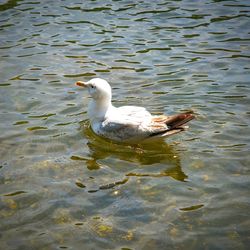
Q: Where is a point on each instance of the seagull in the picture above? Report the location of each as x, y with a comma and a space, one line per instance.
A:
128, 124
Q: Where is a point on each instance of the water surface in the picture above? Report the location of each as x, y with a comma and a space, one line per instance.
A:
63, 187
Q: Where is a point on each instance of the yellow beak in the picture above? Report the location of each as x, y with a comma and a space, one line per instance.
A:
81, 84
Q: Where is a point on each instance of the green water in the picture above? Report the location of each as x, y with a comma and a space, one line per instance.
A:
61, 187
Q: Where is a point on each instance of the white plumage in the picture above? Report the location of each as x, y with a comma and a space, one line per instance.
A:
127, 123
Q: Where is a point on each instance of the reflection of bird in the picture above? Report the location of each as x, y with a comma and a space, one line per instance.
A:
163, 158
128, 123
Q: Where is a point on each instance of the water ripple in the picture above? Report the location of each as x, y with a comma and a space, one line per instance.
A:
64, 187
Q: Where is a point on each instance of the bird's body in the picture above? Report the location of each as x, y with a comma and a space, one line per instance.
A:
130, 124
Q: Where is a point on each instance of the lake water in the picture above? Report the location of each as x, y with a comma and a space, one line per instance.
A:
62, 187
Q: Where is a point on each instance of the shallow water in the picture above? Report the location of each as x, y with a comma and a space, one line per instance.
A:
63, 187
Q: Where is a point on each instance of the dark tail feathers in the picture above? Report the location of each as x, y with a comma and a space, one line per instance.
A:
178, 120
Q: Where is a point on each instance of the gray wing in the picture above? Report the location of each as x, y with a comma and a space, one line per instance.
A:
121, 130
129, 129
130, 124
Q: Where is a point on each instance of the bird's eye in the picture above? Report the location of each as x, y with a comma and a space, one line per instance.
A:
92, 86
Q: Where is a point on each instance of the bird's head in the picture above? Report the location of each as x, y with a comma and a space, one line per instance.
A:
98, 88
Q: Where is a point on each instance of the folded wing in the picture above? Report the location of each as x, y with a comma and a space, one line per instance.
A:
128, 129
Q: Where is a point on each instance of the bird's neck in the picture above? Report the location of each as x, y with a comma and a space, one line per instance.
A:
98, 109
